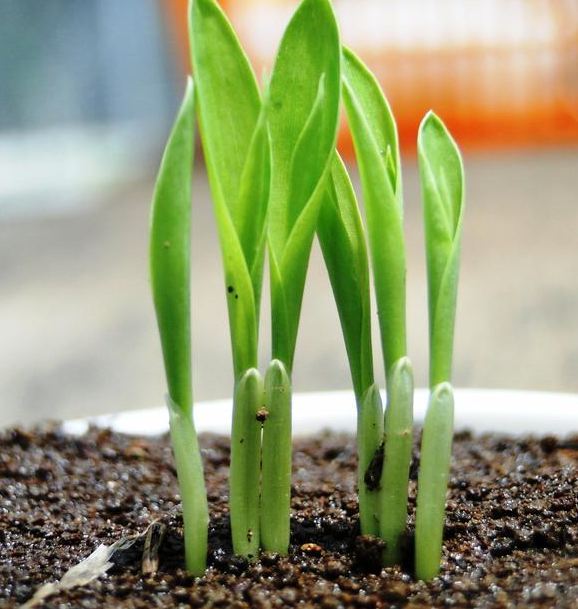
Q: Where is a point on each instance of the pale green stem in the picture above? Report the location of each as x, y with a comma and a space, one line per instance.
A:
369, 438
192, 487
245, 472
397, 459
436, 448
276, 463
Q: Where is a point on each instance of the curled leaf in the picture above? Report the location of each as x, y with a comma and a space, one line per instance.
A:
236, 147
303, 114
376, 147
442, 184
342, 239
170, 251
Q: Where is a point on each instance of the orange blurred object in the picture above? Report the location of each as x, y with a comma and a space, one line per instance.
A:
501, 73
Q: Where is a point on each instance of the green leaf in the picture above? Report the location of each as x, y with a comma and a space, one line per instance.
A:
303, 113
342, 239
251, 210
240, 294
376, 147
227, 92
308, 156
442, 183
170, 229
236, 147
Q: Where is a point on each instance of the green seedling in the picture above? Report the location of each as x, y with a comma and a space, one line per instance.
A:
302, 117
236, 148
170, 282
377, 151
276, 179
342, 239
265, 159
443, 191
385, 448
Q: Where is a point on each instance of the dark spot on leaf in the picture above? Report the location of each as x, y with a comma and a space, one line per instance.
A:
373, 473
230, 289
262, 415
236, 296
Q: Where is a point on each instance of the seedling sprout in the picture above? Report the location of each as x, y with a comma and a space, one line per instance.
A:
170, 284
276, 180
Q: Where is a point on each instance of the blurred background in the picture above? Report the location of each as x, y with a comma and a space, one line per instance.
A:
88, 91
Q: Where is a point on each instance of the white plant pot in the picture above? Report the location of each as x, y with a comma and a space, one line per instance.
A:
480, 410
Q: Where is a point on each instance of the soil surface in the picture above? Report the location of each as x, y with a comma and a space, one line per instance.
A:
511, 538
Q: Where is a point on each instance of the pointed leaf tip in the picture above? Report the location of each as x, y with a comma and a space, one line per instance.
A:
443, 188
432, 124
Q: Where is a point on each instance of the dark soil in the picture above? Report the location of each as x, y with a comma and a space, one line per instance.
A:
511, 538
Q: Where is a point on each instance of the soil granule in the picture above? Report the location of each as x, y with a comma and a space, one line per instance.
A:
511, 538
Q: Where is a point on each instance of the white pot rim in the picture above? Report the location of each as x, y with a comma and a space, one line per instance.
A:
479, 410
